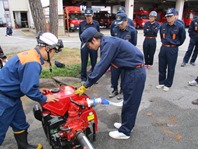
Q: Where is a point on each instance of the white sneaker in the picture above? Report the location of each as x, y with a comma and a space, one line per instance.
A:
159, 86
193, 83
166, 89
117, 125
118, 135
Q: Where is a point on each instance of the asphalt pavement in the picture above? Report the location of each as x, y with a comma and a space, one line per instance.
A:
166, 120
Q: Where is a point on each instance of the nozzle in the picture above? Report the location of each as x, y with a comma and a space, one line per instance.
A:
95, 101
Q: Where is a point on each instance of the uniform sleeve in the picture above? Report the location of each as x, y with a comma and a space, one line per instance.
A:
111, 28
80, 29
182, 35
98, 27
30, 82
134, 35
191, 28
107, 54
155, 29
145, 29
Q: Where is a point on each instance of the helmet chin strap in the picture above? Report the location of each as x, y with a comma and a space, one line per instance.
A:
48, 60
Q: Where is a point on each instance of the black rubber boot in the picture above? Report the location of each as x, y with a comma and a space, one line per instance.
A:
22, 142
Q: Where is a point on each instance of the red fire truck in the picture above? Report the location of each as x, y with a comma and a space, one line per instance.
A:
103, 17
140, 17
73, 17
188, 16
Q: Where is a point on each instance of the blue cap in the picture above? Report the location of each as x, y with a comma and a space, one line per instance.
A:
120, 18
88, 12
87, 35
121, 9
176, 12
170, 12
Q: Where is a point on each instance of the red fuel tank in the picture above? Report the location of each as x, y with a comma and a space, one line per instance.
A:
65, 94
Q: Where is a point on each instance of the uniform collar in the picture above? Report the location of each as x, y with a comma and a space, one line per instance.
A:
126, 29
41, 58
89, 23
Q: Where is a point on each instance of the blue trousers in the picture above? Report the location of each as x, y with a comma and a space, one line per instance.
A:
115, 74
167, 61
149, 48
85, 52
11, 114
133, 82
193, 45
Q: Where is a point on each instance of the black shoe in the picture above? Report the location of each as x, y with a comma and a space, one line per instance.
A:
120, 96
195, 102
192, 63
183, 64
114, 93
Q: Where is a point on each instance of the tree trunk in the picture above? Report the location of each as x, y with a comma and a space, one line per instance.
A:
38, 15
54, 17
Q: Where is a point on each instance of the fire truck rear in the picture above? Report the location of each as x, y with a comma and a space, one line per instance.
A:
73, 17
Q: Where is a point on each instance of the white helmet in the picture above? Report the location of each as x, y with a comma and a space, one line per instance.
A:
49, 39
153, 13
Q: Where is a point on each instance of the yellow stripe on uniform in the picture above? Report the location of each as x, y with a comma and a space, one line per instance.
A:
19, 132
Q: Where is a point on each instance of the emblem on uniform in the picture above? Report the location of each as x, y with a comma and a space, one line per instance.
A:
169, 11
118, 18
88, 11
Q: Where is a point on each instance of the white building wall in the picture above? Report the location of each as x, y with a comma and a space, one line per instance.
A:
2, 12
18, 5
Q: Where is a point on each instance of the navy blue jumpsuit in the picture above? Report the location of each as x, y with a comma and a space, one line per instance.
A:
149, 44
172, 36
129, 34
19, 77
130, 23
193, 45
85, 51
129, 59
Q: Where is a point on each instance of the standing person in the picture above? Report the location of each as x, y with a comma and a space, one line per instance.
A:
124, 31
193, 45
120, 9
128, 58
149, 45
19, 77
172, 35
9, 29
85, 51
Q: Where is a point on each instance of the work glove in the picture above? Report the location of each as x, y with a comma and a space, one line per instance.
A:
81, 90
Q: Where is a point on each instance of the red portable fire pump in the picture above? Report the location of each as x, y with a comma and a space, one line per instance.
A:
70, 122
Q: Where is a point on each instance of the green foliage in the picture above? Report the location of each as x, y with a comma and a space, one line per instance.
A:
67, 71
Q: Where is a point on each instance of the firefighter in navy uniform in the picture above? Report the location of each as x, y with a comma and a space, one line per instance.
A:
128, 58
120, 9
129, 33
19, 77
193, 45
151, 29
85, 51
172, 35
